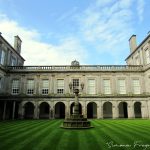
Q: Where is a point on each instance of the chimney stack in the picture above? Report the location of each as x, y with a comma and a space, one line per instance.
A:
132, 43
17, 44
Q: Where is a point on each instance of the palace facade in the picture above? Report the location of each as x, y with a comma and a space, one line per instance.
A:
106, 91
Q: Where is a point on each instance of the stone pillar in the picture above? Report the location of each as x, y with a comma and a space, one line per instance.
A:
14, 106
113, 84
49, 113
99, 110
144, 110
36, 111
37, 85
67, 84
131, 110
4, 112
23, 83
53, 112
148, 109
115, 111
22, 112
67, 109
84, 109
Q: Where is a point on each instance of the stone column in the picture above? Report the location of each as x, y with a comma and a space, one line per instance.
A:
144, 110
113, 84
4, 112
130, 110
115, 111
22, 112
23, 83
84, 109
67, 109
49, 111
148, 109
37, 85
14, 106
53, 90
99, 110
36, 111
53, 112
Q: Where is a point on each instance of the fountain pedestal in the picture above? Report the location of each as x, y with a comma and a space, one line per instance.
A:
76, 120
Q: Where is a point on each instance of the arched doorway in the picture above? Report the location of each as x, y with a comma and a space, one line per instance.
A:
60, 110
123, 110
29, 110
44, 110
72, 108
92, 110
107, 110
137, 110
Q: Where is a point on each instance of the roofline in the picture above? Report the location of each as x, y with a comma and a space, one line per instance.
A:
11, 46
137, 46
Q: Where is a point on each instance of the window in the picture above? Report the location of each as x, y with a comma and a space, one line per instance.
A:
75, 84
15, 86
91, 86
136, 86
121, 86
107, 89
2, 57
147, 56
30, 86
13, 61
60, 86
45, 86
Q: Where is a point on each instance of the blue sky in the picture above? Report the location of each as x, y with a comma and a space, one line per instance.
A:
55, 32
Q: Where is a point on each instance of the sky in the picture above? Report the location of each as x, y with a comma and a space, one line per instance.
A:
56, 32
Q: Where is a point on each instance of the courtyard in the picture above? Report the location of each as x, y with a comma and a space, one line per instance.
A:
47, 135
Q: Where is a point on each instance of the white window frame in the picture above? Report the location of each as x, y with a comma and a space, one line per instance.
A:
136, 86
107, 86
30, 86
15, 86
60, 86
91, 86
122, 86
45, 86
75, 83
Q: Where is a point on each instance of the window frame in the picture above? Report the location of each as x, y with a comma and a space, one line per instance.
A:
134, 87
60, 87
107, 88
120, 87
45, 90
91, 87
30, 91
15, 87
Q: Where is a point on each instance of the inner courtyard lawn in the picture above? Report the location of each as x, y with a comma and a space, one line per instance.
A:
47, 135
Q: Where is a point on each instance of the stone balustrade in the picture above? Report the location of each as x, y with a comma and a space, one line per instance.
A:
77, 68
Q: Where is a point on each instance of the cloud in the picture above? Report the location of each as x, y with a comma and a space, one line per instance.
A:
140, 9
107, 24
39, 53
103, 27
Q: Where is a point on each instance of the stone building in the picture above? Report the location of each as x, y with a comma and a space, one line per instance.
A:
106, 91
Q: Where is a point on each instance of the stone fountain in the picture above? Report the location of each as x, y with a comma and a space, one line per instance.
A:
76, 120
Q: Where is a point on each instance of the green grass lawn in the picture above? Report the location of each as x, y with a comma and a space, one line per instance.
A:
47, 135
